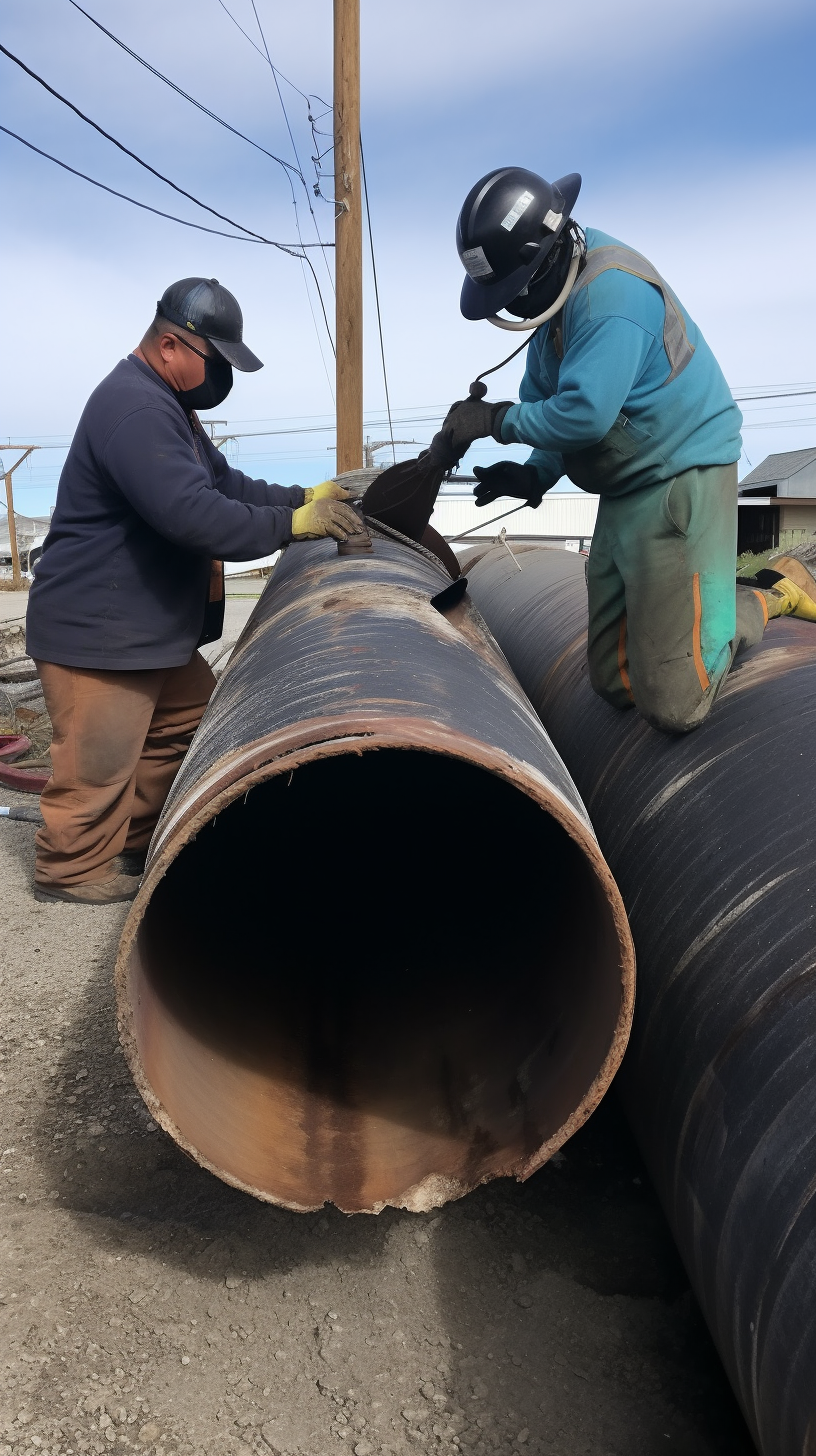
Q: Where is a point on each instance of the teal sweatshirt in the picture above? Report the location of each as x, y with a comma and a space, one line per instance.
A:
613, 372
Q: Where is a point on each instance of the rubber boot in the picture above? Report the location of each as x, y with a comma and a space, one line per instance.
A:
795, 570
787, 599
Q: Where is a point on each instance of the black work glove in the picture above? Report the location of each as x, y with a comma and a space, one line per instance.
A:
471, 419
507, 477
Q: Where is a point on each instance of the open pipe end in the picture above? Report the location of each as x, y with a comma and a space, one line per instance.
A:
379, 978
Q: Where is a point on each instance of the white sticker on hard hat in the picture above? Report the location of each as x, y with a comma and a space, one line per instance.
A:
476, 263
552, 219
519, 207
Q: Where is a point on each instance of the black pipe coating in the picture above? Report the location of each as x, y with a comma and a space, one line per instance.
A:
709, 837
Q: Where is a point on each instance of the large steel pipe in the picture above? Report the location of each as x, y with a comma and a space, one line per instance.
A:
709, 838
377, 957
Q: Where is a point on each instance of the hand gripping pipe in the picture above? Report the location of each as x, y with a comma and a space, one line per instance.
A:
377, 957
709, 838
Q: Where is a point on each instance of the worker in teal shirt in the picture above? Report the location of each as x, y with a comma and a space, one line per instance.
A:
623, 395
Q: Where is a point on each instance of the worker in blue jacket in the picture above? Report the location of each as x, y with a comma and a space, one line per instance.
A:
623, 395
130, 584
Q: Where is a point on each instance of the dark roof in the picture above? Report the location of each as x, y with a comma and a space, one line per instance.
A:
779, 467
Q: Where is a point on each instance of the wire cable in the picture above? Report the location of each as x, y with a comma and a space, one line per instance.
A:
122, 148
308, 98
218, 232
264, 54
377, 299
779, 394
246, 33
287, 166
257, 48
294, 204
274, 71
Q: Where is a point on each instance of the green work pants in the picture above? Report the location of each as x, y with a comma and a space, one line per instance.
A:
666, 617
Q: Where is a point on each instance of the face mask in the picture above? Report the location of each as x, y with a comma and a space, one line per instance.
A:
214, 389
544, 288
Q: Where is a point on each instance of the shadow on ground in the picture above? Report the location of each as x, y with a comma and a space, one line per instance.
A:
575, 1326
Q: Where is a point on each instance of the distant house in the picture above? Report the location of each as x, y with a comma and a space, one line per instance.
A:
789, 478
31, 532
791, 473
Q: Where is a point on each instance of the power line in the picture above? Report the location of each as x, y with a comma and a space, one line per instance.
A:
806, 384
264, 54
780, 424
404, 415
287, 166
308, 98
218, 232
246, 33
779, 394
122, 148
294, 204
274, 71
377, 299
266, 57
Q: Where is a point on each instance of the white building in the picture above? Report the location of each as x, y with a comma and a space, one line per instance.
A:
562, 516
31, 532
779, 500
793, 473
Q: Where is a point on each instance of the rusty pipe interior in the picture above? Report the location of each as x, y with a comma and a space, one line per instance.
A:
380, 977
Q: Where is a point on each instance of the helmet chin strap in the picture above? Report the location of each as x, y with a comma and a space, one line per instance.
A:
517, 325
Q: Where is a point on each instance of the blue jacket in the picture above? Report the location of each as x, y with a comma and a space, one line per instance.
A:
612, 374
145, 501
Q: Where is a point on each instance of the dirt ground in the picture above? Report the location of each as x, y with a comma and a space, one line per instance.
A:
145, 1306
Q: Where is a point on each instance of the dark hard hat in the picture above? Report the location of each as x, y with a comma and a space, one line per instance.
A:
509, 223
203, 306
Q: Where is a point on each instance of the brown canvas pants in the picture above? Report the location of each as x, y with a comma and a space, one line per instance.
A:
119, 739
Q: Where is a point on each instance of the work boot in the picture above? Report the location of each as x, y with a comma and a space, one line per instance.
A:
795, 570
787, 599
97, 892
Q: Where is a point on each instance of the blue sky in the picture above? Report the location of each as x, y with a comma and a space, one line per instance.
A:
693, 127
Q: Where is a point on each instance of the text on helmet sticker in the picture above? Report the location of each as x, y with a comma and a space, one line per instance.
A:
476, 263
552, 220
519, 206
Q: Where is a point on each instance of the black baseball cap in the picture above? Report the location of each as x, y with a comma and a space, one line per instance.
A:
203, 306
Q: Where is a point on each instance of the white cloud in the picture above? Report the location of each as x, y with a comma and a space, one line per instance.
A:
411, 53
729, 232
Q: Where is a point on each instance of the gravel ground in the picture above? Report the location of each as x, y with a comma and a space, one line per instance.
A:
146, 1306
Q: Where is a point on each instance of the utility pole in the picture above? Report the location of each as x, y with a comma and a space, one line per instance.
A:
16, 574
371, 445
348, 234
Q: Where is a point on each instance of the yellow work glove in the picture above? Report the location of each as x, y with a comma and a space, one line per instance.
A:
326, 490
324, 518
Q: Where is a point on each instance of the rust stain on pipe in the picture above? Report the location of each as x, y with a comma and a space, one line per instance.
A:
377, 957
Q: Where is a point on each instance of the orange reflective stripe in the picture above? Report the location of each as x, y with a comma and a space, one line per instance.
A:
695, 636
764, 602
623, 661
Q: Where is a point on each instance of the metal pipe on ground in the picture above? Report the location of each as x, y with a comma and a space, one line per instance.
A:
708, 838
377, 957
